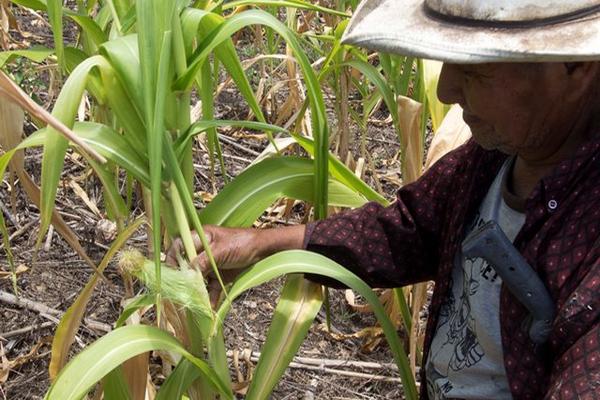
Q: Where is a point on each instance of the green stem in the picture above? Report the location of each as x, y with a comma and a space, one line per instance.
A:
182, 222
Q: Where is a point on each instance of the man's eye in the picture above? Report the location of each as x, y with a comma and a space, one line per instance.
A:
474, 75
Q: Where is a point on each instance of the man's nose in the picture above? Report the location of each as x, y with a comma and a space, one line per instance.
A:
450, 84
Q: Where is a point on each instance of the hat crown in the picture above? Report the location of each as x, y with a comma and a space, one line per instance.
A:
509, 10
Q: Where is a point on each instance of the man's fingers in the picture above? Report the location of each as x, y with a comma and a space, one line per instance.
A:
198, 243
172, 252
214, 292
177, 246
202, 264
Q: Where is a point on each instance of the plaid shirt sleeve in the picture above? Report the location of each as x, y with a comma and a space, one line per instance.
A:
396, 245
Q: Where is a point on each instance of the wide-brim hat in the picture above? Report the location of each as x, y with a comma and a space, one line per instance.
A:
478, 31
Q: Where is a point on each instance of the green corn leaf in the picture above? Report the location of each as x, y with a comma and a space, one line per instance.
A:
123, 55
245, 198
104, 355
314, 93
154, 43
381, 84
199, 21
202, 126
404, 308
35, 54
105, 141
56, 145
341, 172
298, 306
90, 28
179, 381
55, 14
115, 386
119, 10
206, 92
338, 170
299, 261
139, 302
430, 75
113, 147
37, 5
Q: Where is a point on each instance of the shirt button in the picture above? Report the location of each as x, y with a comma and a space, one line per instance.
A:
553, 204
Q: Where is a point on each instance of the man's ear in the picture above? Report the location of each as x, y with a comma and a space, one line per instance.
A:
581, 77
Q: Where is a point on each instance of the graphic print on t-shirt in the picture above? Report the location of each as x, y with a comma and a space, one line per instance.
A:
466, 357
461, 340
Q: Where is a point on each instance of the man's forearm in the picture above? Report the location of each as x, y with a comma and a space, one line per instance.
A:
280, 239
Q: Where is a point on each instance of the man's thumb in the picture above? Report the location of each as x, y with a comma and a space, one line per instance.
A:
202, 263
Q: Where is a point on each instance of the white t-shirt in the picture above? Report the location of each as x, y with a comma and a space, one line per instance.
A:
466, 357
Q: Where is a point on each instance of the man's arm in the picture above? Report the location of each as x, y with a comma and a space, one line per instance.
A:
396, 245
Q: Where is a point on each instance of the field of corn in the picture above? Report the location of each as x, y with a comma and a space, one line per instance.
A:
129, 123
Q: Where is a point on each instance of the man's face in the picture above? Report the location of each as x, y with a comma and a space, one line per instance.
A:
510, 107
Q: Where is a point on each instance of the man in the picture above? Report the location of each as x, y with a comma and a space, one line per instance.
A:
526, 76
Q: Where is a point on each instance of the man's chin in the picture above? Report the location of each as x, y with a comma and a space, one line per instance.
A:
493, 145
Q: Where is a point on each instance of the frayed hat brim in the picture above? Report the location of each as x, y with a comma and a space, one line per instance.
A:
406, 27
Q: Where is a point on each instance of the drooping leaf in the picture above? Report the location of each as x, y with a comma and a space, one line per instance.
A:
299, 261
242, 201
298, 305
107, 353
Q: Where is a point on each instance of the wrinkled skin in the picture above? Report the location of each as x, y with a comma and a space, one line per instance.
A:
539, 112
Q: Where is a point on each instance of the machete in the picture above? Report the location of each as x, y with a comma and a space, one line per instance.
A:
491, 244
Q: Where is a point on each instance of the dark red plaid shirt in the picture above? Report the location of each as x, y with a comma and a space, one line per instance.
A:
415, 239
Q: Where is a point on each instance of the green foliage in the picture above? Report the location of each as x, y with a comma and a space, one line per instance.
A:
141, 62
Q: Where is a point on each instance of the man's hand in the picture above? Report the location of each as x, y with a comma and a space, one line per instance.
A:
235, 249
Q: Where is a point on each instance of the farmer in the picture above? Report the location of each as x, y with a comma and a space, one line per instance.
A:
527, 77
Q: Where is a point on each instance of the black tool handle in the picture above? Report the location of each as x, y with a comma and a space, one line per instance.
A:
490, 243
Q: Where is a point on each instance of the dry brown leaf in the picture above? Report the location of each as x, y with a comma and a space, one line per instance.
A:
419, 297
106, 230
371, 336
241, 386
410, 129
135, 370
6, 365
453, 132
21, 268
351, 299
78, 190
205, 196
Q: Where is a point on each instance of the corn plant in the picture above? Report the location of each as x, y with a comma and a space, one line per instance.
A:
407, 87
141, 61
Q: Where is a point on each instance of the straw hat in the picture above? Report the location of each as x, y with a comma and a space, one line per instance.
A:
477, 31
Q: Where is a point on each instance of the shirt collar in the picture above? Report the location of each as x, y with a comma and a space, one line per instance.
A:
554, 187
